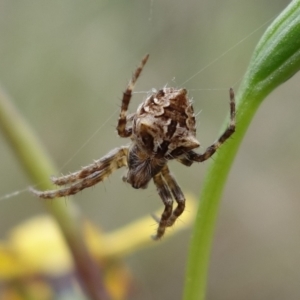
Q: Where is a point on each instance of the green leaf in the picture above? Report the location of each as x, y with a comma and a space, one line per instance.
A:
275, 59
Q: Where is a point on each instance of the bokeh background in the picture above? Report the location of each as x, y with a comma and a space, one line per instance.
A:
65, 65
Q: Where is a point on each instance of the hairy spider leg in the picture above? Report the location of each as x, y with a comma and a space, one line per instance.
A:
193, 156
116, 160
166, 197
166, 184
124, 131
105, 162
177, 194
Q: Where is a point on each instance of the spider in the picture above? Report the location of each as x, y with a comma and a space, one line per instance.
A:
162, 129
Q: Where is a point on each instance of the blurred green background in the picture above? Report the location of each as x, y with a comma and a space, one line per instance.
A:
65, 64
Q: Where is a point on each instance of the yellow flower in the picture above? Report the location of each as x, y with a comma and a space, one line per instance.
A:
37, 247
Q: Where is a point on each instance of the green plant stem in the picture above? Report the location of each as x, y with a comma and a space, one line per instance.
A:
38, 166
213, 185
275, 59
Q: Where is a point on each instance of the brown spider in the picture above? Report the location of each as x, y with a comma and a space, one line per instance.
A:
162, 129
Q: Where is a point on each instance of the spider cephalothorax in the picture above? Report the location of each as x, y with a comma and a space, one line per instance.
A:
162, 129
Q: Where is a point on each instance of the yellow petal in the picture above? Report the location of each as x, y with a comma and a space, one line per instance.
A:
40, 246
137, 234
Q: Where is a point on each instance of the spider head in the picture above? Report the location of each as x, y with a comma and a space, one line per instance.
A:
141, 167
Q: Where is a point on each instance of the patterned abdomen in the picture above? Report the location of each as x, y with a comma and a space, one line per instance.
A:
164, 125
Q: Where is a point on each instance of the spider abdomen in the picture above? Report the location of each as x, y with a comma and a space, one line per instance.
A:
164, 122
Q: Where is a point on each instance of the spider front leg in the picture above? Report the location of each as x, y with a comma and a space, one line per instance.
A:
193, 156
121, 128
177, 194
166, 197
88, 176
165, 183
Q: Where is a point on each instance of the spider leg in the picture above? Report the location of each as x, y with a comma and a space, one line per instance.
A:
108, 161
177, 193
166, 197
193, 156
121, 128
185, 161
115, 162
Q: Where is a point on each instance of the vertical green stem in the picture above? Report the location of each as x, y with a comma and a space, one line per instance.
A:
275, 59
198, 260
38, 166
